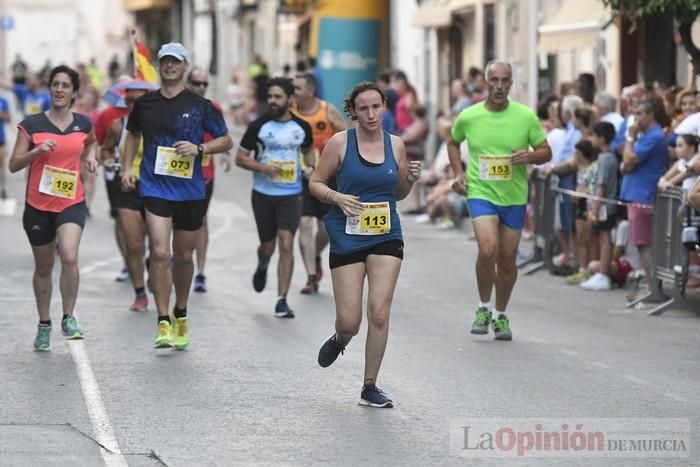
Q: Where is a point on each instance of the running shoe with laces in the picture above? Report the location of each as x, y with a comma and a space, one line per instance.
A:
576, 278
181, 337
164, 338
598, 281
123, 275
200, 283
372, 396
310, 288
42, 342
329, 351
259, 279
140, 303
501, 328
70, 328
282, 310
481, 321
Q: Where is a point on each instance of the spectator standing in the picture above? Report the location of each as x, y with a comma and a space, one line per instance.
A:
4, 117
406, 103
606, 107
644, 161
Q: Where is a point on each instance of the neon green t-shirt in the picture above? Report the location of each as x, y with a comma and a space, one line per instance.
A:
492, 137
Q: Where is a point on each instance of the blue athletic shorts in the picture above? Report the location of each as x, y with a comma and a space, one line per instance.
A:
510, 216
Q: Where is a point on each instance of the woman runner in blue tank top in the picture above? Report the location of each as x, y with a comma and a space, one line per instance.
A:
364, 228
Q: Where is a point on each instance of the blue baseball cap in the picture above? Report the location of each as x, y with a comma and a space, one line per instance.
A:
173, 49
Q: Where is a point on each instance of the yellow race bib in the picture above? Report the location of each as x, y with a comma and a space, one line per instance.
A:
168, 163
32, 108
288, 171
495, 167
375, 219
206, 160
58, 182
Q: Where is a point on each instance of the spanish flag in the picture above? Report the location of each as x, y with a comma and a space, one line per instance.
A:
142, 63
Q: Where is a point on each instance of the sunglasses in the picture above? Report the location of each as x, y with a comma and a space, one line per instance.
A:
200, 83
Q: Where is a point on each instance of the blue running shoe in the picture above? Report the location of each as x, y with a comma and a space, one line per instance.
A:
70, 328
42, 342
200, 283
329, 351
372, 396
282, 310
259, 279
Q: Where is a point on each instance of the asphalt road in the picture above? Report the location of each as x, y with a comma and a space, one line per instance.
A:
248, 390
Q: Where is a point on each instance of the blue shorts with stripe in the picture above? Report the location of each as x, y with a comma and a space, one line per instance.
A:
511, 216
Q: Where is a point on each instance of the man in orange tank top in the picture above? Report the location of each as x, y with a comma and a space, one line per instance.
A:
325, 121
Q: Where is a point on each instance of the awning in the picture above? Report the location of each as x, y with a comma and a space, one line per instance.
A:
574, 26
137, 5
438, 13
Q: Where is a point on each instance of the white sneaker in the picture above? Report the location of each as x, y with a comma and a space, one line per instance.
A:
423, 218
558, 260
597, 282
446, 224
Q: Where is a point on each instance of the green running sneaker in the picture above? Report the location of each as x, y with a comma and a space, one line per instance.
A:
180, 335
481, 322
164, 338
501, 327
70, 328
42, 342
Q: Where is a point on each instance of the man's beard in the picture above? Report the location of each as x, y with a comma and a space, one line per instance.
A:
276, 111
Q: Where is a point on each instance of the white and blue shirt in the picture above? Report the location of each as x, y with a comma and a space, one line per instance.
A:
275, 142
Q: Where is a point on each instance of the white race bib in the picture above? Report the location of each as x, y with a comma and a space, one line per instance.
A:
495, 167
58, 182
170, 164
375, 219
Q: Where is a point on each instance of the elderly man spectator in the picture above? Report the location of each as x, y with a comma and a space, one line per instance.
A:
644, 157
563, 166
606, 106
630, 96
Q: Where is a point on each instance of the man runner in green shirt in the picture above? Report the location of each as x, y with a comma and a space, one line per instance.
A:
500, 134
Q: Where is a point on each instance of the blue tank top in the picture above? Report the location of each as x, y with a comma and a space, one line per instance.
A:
373, 183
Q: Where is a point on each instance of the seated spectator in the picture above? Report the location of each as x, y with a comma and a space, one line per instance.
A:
625, 258
584, 158
443, 202
603, 215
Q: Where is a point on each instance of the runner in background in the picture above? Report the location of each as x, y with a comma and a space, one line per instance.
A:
197, 82
325, 120
4, 117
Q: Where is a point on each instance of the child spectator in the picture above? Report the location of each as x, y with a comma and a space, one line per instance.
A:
584, 157
625, 258
604, 184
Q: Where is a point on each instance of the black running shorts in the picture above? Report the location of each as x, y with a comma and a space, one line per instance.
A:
273, 213
41, 226
186, 215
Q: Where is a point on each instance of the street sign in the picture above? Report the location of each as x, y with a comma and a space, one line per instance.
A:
7, 22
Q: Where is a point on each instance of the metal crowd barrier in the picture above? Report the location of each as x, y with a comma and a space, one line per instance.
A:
670, 259
544, 234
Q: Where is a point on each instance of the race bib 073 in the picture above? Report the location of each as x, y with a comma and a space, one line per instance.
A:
170, 164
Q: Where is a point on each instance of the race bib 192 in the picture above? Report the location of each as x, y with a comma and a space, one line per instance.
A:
58, 182
170, 164
375, 219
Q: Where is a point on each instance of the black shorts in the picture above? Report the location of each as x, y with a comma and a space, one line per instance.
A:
114, 188
273, 213
129, 200
208, 191
581, 209
186, 215
313, 207
41, 226
607, 225
388, 248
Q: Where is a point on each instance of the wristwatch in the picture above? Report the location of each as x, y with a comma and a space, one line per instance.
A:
200, 150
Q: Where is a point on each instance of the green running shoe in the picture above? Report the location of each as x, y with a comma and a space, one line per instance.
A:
501, 327
70, 328
180, 335
481, 322
42, 342
164, 338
